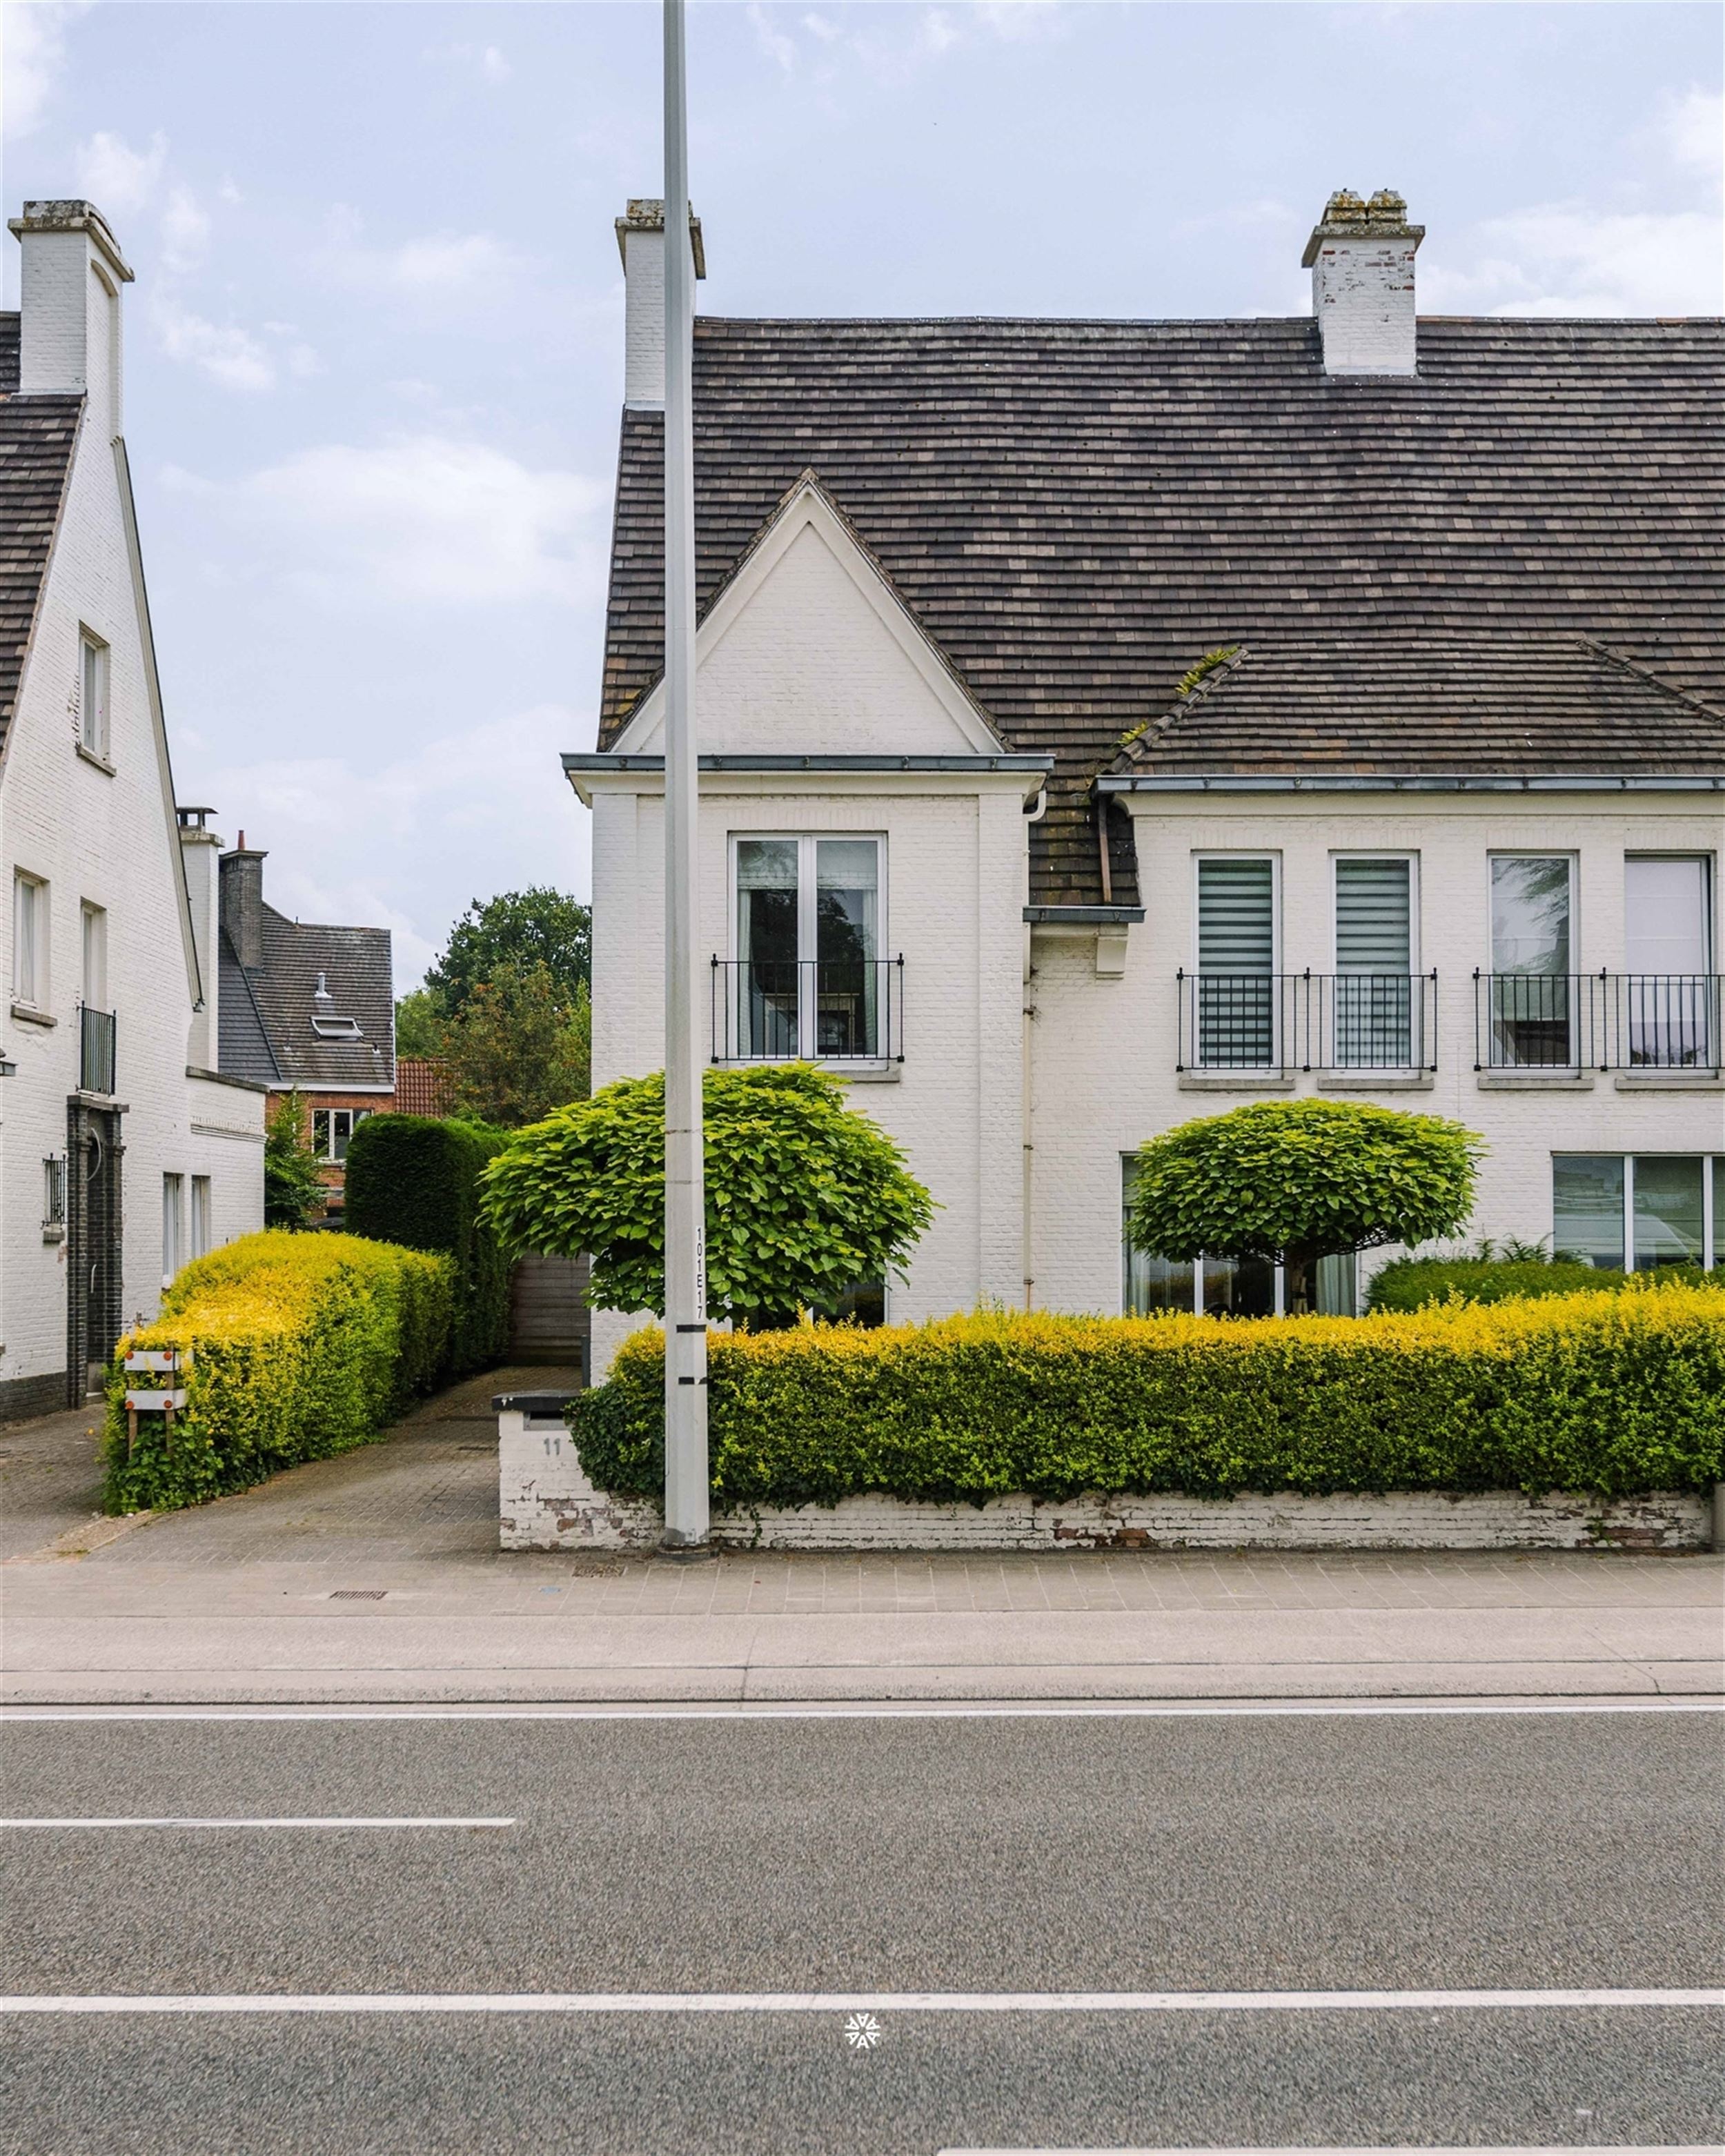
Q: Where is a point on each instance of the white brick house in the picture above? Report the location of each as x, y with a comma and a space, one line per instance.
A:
1107, 723
122, 1150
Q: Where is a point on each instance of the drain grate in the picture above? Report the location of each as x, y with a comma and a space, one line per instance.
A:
358, 1594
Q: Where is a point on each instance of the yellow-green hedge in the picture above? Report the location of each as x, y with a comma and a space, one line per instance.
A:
302, 1345
1612, 1393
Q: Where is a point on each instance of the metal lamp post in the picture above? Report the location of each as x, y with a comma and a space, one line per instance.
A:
686, 1453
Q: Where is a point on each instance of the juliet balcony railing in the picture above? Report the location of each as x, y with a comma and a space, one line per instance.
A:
95, 1050
1597, 1021
814, 1010
1285, 1022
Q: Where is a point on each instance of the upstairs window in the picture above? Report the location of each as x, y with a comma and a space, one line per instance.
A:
93, 674
1236, 962
1375, 1003
1532, 1020
331, 1129
29, 941
809, 980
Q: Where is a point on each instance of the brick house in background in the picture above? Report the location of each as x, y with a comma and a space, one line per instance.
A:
307, 1008
424, 1086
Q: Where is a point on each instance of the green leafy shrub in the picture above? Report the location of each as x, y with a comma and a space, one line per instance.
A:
1412, 1283
302, 1345
415, 1180
804, 1196
293, 1189
1293, 1181
1610, 1394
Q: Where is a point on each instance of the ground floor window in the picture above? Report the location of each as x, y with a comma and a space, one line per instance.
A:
1227, 1287
173, 1225
201, 1237
1633, 1210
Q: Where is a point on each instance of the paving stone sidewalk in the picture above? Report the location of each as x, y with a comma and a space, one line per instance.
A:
377, 1574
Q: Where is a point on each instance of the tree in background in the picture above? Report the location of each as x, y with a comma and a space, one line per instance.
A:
519, 1046
1294, 1181
518, 929
805, 1197
419, 1021
293, 1189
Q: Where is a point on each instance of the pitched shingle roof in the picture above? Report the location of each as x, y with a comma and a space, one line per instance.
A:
1078, 511
37, 438
355, 967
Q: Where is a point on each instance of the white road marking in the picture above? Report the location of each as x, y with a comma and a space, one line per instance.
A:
844, 2002
872, 1710
333, 1822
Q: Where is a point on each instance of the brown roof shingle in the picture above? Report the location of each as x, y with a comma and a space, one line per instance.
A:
1077, 511
38, 435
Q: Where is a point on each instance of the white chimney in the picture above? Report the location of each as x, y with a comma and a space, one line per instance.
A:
1361, 257
200, 854
641, 241
70, 303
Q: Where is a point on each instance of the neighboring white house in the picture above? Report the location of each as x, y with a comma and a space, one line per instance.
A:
1104, 724
122, 1152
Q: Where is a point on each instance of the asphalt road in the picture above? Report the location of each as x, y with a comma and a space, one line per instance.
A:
863, 1856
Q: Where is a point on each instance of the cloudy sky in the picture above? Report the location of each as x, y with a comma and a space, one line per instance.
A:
375, 345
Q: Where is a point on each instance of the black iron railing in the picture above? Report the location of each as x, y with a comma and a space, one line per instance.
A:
819, 1010
1307, 1021
1597, 1021
95, 1050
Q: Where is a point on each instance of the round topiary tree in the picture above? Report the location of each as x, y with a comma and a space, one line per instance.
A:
1293, 1181
805, 1198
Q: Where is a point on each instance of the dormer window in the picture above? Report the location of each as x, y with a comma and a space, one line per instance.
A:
325, 1022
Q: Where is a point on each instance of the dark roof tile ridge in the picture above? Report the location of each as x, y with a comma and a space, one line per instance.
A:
1646, 673
1007, 322
1133, 745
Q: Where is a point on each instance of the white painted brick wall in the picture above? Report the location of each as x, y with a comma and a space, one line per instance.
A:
545, 1502
1362, 295
644, 320
109, 841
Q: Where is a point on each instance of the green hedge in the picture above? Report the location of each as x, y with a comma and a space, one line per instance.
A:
1412, 1283
414, 1180
1611, 1394
302, 1345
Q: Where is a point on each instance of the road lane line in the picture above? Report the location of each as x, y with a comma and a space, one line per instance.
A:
846, 2002
868, 1710
169, 1821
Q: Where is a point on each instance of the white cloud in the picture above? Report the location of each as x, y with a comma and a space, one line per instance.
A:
118, 179
35, 44
774, 44
1562, 258
185, 232
228, 354
421, 519
486, 61
378, 845
1694, 131
440, 266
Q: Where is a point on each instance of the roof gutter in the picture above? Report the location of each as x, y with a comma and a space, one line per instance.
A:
598, 763
1083, 916
1350, 782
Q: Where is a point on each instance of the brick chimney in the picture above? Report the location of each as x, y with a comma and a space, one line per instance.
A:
1361, 257
243, 902
72, 271
641, 241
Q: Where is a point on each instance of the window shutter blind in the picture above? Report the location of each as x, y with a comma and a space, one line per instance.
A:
1373, 920
1236, 920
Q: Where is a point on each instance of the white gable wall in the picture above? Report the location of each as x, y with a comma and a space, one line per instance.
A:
108, 837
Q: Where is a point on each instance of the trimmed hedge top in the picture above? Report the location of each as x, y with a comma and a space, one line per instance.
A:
1414, 1283
1612, 1393
302, 1345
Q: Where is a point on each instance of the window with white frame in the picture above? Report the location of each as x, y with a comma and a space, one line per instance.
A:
173, 1226
202, 1235
331, 1130
1236, 944
92, 926
1377, 1006
93, 678
1532, 1015
1670, 990
1632, 1211
808, 979
1227, 1287
29, 940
